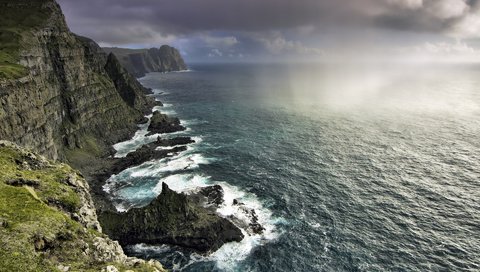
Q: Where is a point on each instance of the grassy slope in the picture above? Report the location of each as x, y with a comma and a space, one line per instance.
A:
36, 234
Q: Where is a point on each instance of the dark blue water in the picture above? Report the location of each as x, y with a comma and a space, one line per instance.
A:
352, 168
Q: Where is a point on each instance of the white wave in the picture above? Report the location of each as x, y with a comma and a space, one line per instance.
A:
228, 256
143, 248
182, 183
159, 92
231, 253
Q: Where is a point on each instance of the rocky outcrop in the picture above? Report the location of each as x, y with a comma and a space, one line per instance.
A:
174, 141
48, 221
162, 123
172, 218
141, 61
73, 96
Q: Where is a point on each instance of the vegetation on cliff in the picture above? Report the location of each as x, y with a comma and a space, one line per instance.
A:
45, 221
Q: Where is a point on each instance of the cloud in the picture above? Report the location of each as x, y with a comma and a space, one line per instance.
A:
275, 43
274, 26
442, 50
467, 27
409, 4
215, 53
447, 9
220, 41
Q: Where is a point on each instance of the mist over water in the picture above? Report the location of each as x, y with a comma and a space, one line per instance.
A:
352, 167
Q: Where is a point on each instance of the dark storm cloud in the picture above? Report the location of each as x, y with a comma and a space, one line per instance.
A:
268, 22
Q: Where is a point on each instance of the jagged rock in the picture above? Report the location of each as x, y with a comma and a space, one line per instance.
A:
172, 218
175, 141
141, 61
141, 155
106, 250
162, 123
253, 226
214, 194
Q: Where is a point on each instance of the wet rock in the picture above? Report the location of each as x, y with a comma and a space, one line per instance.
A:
214, 194
172, 218
162, 123
253, 225
175, 141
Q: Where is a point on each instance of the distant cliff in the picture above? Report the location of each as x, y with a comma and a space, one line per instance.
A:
59, 92
141, 61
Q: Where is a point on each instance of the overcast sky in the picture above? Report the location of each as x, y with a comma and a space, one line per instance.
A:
284, 29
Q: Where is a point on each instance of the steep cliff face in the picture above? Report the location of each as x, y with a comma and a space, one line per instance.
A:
141, 61
48, 222
67, 100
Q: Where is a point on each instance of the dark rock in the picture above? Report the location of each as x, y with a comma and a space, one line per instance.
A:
142, 155
162, 123
253, 226
142, 120
4, 223
175, 141
23, 182
214, 194
172, 218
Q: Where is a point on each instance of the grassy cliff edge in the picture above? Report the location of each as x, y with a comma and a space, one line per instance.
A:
48, 222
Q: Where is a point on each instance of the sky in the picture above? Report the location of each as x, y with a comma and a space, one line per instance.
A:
250, 30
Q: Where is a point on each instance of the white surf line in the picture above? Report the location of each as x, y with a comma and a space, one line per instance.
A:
230, 254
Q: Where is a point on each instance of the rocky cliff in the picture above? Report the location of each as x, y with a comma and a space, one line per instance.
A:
141, 61
48, 221
63, 97
68, 94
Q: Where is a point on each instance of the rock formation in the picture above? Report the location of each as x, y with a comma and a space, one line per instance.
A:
141, 61
162, 123
157, 223
62, 96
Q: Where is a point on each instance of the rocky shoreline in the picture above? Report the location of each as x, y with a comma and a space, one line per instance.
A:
178, 219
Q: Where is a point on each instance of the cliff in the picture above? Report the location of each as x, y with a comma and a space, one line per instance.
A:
141, 61
48, 221
60, 92
63, 97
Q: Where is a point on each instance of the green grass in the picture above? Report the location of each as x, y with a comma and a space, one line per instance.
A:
36, 232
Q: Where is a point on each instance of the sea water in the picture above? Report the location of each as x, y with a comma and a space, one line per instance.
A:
366, 167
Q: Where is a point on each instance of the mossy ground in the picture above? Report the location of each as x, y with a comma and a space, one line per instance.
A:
36, 232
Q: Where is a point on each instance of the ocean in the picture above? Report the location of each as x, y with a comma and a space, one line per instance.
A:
359, 167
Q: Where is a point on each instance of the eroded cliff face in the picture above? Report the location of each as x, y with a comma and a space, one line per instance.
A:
141, 61
69, 100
